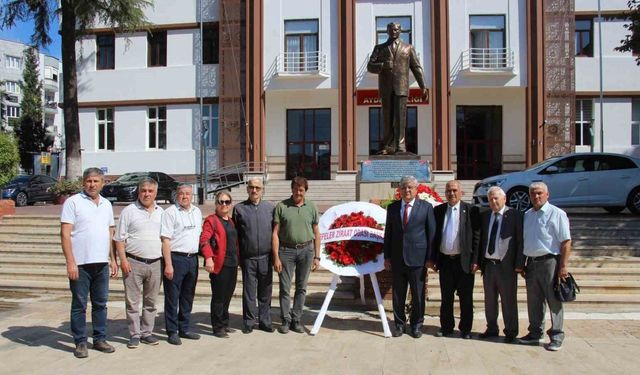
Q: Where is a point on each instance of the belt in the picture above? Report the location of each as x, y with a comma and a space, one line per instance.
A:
449, 256
297, 245
143, 260
493, 261
188, 255
540, 258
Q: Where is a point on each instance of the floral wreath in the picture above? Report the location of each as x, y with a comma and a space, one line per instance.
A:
424, 193
354, 252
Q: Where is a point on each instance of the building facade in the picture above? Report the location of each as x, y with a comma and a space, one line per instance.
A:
11, 68
511, 82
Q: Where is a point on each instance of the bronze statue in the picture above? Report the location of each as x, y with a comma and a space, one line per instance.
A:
391, 61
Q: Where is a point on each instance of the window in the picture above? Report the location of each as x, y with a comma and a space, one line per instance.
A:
584, 37
13, 111
405, 28
635, 122
584, 117
309, 143
157, 120
613, 162
376, 130
301, 45
51, 73
210, 121
488, 41
105, 47
13, 62
12, 87
106, 131
157, 41
49, 97
210, 45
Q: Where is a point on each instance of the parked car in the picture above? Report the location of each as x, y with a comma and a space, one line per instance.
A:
125, 187
607, 180
26, 190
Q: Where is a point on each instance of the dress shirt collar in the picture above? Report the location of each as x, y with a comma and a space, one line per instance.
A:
141, 207
412, 203
501, 212
456, 206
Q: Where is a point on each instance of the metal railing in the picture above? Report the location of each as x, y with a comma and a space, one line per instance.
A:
302, 62
234, 175
488, 59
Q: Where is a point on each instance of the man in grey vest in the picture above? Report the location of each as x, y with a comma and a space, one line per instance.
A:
254, 223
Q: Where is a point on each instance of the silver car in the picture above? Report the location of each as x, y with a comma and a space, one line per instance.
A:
611, 181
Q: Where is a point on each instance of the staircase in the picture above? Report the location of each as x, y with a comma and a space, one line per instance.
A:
605, 262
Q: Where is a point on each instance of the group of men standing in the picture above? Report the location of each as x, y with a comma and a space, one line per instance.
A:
456, 239
157, 246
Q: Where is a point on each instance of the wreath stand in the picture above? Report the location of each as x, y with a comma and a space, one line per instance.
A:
329, 296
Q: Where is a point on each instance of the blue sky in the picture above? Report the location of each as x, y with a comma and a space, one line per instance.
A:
22, 31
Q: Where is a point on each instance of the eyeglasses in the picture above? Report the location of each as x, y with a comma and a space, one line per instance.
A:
255, 187
224, 202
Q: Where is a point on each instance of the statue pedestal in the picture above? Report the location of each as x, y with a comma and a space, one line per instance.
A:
380, 175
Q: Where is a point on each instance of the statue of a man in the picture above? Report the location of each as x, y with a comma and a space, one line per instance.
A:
392, 60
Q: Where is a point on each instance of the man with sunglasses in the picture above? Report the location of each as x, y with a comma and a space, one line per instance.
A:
180, 229
254, 223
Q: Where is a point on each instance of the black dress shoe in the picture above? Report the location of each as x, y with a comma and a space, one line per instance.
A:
442, 333
488, 334
465, 335
296, 327
510, 340
174, 339
221, 333
230, 330
189, 335
397, 333
247, 330
284, 328
416, 333
266, 328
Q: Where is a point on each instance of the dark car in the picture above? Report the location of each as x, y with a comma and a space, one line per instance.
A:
125, 188
26, 190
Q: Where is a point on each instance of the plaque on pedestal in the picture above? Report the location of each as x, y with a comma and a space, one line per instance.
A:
391, 168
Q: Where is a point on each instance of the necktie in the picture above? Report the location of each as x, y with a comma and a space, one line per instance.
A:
493, 235
449, 230
405, 215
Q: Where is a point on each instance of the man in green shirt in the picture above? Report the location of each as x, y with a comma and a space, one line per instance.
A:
296, 250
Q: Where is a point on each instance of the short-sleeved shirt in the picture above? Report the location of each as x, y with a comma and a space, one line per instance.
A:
182, 227
140, 230
90, 236
545, 230
296, 223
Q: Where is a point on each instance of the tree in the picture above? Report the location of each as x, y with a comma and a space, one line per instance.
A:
9, 158
631, 43
30, 130
76, 16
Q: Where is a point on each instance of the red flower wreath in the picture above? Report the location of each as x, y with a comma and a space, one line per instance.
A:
424, 192
352, 252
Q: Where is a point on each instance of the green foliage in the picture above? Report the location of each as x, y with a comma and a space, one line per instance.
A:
66, 187
9, 158
631, 43
30, 130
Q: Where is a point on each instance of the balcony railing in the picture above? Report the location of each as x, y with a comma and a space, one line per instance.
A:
488, 60
302, 63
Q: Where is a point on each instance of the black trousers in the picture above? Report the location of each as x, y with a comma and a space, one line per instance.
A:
257, 279
414, 277
179, 293
222, 287
453, 279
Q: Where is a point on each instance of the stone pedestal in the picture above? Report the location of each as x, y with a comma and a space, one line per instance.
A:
379, 176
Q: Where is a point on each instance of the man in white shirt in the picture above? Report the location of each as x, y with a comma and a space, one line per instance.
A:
86, 229
180, 234
547, 245
140, 251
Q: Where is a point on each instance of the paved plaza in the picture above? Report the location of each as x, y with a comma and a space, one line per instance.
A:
35, 339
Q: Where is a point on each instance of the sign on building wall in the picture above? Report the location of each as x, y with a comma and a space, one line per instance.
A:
371, 97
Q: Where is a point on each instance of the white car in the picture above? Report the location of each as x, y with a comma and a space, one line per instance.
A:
607, 180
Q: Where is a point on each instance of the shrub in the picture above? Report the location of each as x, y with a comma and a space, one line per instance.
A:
9, 158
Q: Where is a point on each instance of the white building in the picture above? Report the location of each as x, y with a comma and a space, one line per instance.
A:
11, 68
505, 88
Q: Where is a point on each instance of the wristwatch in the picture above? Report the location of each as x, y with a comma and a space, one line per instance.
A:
318, 258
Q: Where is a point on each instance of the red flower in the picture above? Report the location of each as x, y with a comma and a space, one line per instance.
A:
346, 253
424, 192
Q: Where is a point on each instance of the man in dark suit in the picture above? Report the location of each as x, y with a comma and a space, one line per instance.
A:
392, 61
456, 258
408, 241
501, 260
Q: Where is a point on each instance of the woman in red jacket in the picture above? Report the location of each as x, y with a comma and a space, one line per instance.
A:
219, 246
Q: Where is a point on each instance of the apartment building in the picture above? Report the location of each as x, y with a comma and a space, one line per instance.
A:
510, 84
11, 68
